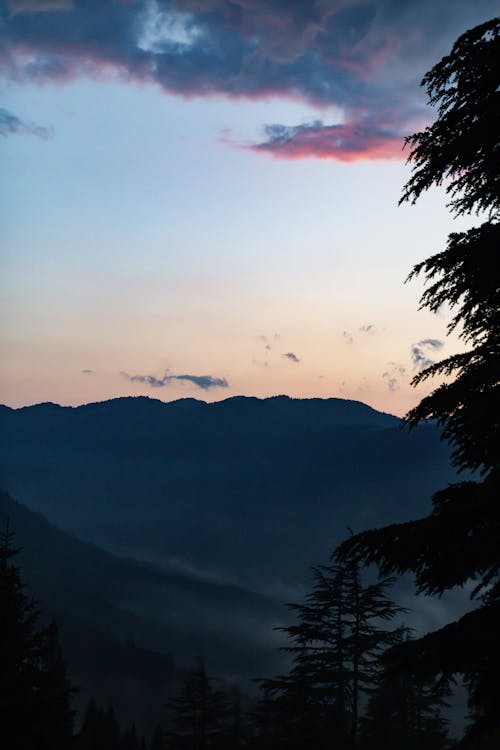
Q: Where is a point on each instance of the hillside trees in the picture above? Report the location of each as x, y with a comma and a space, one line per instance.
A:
35, 694
458, 541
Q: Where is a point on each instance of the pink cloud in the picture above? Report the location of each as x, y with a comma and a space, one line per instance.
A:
348, 142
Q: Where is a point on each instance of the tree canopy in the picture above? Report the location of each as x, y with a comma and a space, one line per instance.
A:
458, 541
460, 148
342, 628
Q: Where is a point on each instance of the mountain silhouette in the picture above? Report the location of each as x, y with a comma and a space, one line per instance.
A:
246, 491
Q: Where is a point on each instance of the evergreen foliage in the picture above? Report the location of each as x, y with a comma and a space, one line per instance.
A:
100, 731
404, 712
35, 695
458, 541
159, 739
461, 146
200, 716
336, 644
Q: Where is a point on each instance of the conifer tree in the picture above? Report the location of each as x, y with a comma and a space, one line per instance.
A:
101, 731
88, 735
403, 712
35, 695
55, 692
335, 646
130, 740
159, 739
458, 541
199, 715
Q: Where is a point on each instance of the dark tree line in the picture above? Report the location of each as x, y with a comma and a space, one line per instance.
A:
335, 691
101, 731
35, 693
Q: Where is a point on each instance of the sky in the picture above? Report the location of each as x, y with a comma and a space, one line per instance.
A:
200, 198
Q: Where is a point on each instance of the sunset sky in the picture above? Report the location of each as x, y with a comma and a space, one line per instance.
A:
199, 198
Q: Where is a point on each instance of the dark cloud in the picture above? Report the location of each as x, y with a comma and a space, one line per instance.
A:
348, 337
363, 58
421, 350
205, 382
291, 357
368, 328
87, 372
10, 124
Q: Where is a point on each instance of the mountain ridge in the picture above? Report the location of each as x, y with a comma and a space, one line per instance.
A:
189, 401
249, 490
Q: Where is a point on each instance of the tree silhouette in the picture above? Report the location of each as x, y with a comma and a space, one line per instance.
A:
55, 693
199, 715
35, 695
458, 541
403, 712
101, 731
159, 739
335, 645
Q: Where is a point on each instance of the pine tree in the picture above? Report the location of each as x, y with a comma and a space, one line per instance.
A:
130, 739
404, 712
87, 737
35, 695
55, 693
335, 646
458, 541
101, 731
159, 739
199, 715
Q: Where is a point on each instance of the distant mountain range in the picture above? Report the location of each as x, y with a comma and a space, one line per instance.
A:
246, 491
172, 531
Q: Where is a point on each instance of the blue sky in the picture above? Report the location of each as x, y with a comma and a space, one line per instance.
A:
200, 198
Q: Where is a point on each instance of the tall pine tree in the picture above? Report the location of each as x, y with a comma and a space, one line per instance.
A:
335, 646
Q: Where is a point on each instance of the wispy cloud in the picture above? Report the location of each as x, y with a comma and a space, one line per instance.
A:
291, 357
11, 124
421, 350
391, 376
260, 362
205, 382
87, 372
